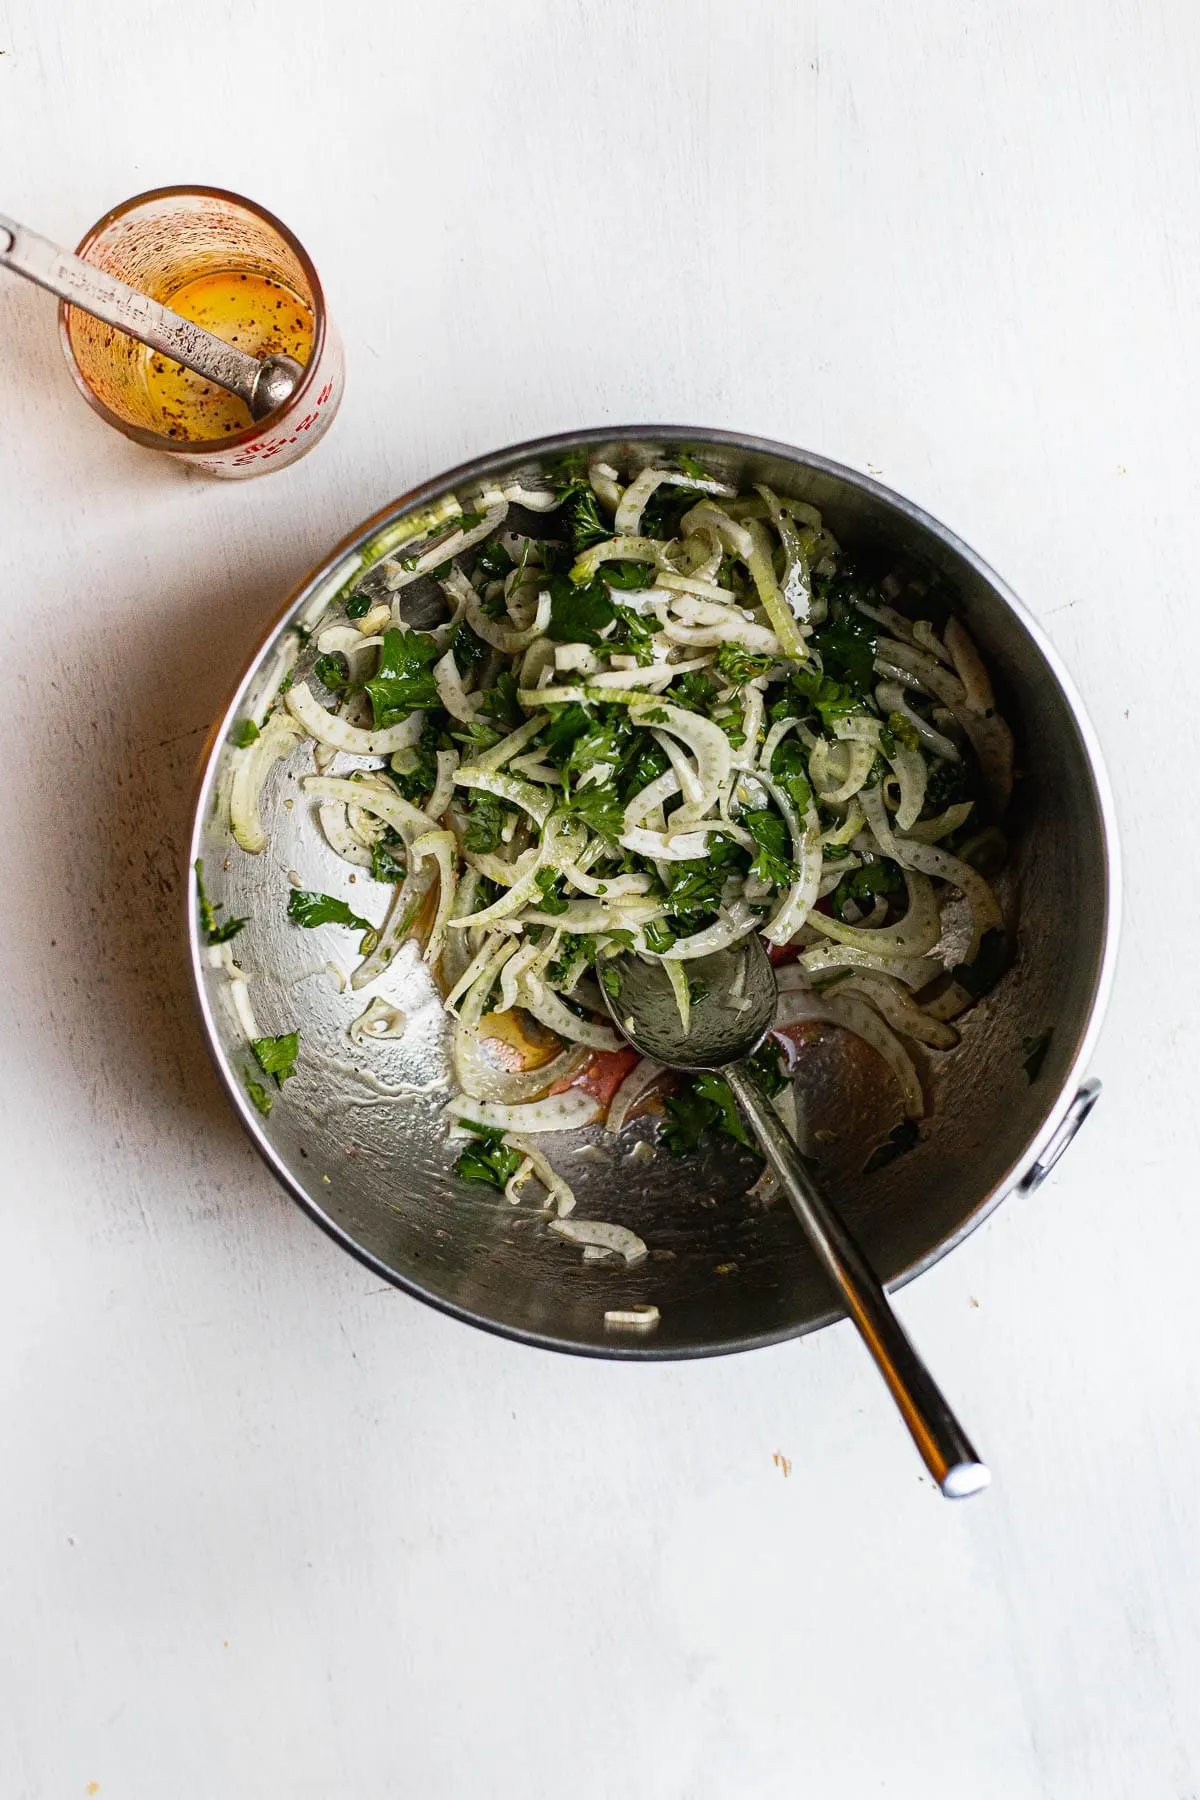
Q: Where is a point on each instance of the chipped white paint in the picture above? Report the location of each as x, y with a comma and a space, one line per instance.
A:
271, 1530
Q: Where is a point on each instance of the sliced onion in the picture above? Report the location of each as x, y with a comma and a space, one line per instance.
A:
328, 729
601, 1236
251, 767
558, 1112
912, 773
535, 801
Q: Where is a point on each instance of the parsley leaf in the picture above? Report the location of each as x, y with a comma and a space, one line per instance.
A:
773, 861
308, 908
334, 671
610, 981
600, 808
790, 769
628, 575
385, 866
500, 701
358, 605
470, 651
494, 560
258, 1093
904, 731
738, 666
728, 1119
486, 818
277, 1055
404, 680
632, 637
245, 734
578, 952
214, 932
578, 614
487, 1158
880, 877
579, 517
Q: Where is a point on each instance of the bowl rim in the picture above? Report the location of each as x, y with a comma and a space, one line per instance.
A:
499, 462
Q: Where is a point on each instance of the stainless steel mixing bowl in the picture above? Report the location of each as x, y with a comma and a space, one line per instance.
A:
357, 1136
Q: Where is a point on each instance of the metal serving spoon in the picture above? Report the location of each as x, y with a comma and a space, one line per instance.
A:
732, 1011
264, 385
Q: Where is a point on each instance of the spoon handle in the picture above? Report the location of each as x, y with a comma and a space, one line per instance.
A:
81, 284
941, 1440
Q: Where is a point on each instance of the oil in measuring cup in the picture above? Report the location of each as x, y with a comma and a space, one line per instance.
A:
259, 315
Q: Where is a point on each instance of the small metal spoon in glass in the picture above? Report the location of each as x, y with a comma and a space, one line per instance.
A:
733, 1008
264, 385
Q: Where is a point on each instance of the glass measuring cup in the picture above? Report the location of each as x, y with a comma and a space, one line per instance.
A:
233, 267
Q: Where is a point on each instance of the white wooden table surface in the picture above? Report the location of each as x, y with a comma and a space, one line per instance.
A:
270, 1529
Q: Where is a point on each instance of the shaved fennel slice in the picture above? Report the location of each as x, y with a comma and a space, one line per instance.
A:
640, 1078
600, 1235
916, 972
733, 922
251, 767
558, 1112
928, 831
447, 547
629, 509
380, 1020
797, 903
545, 1006
220, 956
970, 669
559, 1193
618, 549
887, 995
930, 860
913, 935
774, 605
854, 1014
535, 801
328, 729
442, 847
385, 803
339, 836
707, 742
